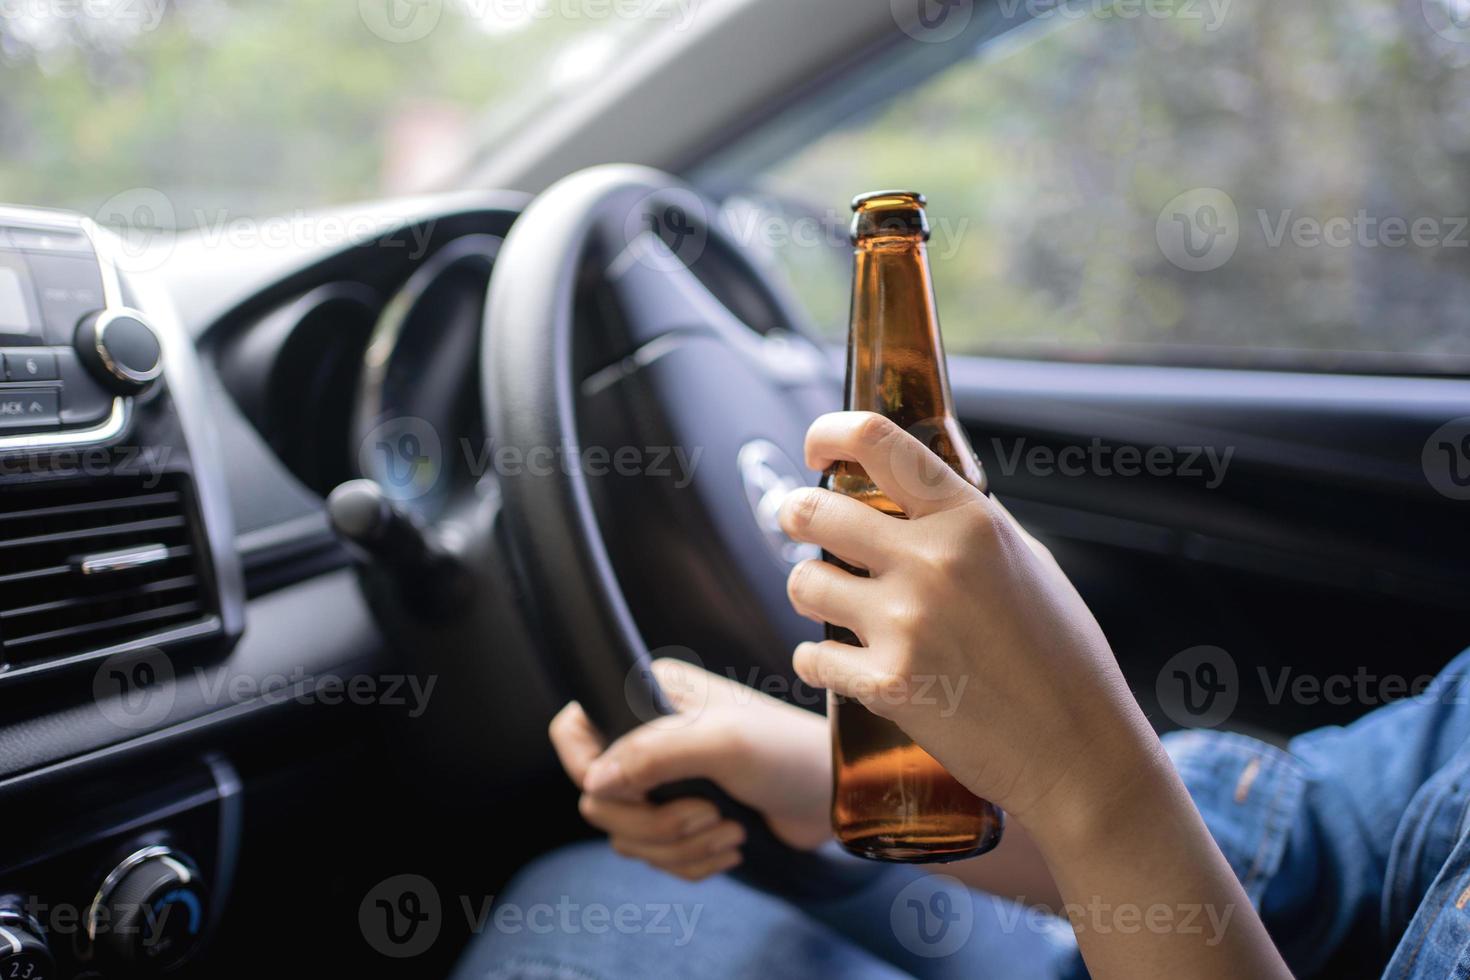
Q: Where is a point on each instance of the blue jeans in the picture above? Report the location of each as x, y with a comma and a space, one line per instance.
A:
584, 913
1353, 844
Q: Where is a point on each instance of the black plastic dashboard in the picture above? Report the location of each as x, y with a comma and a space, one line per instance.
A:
279, 363
267, 527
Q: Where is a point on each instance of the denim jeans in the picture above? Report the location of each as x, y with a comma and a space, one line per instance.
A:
1353, 844
583, 912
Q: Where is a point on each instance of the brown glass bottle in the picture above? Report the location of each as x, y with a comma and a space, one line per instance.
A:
891, 801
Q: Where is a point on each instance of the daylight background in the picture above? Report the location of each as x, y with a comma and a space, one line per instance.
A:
1048, 156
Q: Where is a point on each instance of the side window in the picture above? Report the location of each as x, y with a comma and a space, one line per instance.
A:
1221, 182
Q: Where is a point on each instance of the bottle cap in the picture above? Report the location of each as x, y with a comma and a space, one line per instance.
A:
883, 213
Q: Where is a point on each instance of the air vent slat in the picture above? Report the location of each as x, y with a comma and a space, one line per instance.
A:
169, 499
51, 534
147, 616
34, 573
106, 531
179, 551
77, 602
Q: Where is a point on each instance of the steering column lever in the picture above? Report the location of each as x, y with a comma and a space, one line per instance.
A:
384, 534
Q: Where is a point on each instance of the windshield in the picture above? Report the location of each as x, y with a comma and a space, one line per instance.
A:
217, 109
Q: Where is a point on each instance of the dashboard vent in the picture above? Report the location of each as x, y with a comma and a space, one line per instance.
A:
89, 567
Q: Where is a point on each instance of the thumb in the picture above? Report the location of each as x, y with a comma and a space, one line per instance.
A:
651, 756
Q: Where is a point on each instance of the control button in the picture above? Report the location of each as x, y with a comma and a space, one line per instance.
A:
68, 287
28, 408
26, 365
121, 350
150, 912
23, 949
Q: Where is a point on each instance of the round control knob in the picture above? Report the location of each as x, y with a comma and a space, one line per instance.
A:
23, 949
120, 349
150, 912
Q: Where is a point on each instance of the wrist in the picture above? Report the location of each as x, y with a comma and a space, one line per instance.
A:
1126, 781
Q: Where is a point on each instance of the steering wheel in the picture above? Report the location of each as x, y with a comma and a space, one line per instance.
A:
671, 367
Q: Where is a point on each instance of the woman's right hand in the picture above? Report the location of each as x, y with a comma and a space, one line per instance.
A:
772, 756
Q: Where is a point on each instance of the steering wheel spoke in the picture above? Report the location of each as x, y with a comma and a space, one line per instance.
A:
659, 294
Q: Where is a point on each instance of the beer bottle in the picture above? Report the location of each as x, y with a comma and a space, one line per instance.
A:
891, 800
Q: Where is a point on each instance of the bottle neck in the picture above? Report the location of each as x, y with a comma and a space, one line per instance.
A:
895, 357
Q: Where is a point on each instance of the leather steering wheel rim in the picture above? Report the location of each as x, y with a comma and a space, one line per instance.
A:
530, 400
530, 403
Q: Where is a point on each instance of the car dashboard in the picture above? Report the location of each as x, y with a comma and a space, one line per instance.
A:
178, 617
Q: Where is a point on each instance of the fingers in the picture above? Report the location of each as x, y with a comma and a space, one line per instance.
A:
691, 688
694, 871
576, 742
828, 594
841, 525
650, 823
707, 848
852, 672
652, 756
910, 475
686, 837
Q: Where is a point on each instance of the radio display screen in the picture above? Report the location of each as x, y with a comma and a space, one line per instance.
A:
17, 308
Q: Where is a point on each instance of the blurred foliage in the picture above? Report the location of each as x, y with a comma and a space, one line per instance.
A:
245, 107
1049, 155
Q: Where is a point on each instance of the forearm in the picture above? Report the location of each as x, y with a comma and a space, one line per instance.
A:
1015, 870
1142, 881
